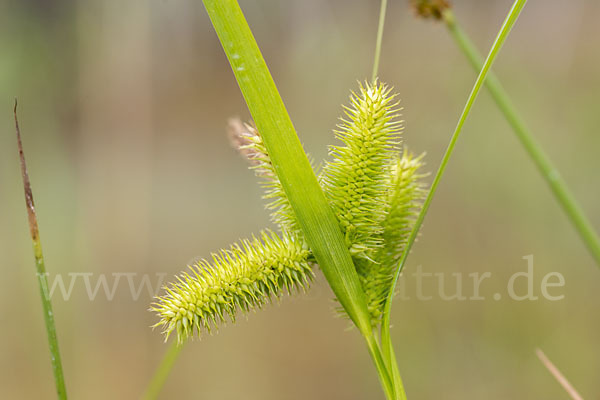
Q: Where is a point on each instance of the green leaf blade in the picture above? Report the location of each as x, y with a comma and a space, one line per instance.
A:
291, 164
507, 26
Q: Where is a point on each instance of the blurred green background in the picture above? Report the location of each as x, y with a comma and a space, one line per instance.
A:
123, 106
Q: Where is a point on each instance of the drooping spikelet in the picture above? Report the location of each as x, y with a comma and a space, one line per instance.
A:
245, 277
356, 180
403, 204
246, 139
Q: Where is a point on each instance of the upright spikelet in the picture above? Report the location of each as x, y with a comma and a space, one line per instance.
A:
244, 277
402, 207
374, 191
404, 204
355, 181
246, 139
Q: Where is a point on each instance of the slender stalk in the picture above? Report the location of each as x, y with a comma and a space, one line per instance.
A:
550, 174
40, 266
390, 356
500, 38
390, 359
377, 56
382, 369
560, 378
162, 372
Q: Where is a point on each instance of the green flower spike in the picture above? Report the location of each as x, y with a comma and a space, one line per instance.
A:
374, 190
403, 205
356, 181
405, 200
245, 277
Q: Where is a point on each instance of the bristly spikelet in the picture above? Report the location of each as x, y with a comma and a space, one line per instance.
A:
355, 181
403, 204
246, 139
245, 277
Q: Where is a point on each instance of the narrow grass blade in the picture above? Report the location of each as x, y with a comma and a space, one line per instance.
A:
315, 217
57, 369
560, 378
550, 174
500, 38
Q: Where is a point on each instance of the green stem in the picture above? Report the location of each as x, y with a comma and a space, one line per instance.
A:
500, 38
550, 174
382, 369
377, 56
162, 372
389, 358
59, 380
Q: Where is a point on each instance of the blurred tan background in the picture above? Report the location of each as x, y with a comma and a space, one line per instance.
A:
123, 106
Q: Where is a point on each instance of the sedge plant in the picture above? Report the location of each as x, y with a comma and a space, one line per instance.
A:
356, 220
374, 187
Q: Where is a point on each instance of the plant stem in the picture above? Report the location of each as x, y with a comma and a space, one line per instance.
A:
500, 38
390, 356
377, 56
57, 369
550, 174
382, 369
162, 372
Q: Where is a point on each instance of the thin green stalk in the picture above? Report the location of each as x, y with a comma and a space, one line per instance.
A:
382, 370
389, 355
502, 35
390, 359
316, 219
550, 174
162, 372
379, 40
57, 369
